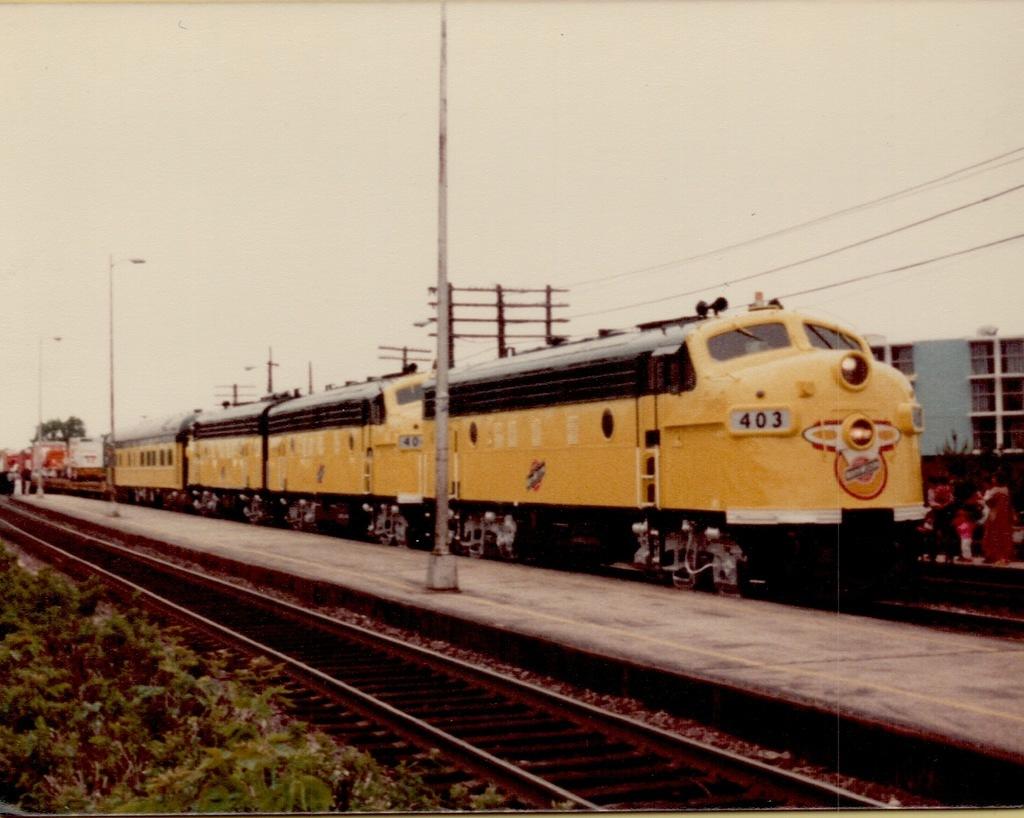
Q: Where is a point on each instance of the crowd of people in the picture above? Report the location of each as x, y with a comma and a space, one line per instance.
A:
16, 481
967, 521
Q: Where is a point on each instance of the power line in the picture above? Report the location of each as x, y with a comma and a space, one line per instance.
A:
903, 267
405, 356
860, 243
852, 209
480, 352
239, 394
817, 257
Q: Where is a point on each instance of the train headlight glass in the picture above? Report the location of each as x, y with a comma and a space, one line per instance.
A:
859, 432
854, 369
910, 418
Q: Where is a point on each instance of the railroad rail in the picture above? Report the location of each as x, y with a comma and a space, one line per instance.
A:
991, 584
542, 748
972, 597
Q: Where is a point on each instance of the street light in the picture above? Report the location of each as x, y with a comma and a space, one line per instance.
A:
39, 429
113, 466
442, 571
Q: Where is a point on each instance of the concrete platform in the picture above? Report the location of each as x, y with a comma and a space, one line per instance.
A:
914, 678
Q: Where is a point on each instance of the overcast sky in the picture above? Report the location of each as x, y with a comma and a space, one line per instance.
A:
276, 167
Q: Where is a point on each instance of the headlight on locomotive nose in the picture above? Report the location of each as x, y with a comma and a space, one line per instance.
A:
859, 432
910, 418
853, 369
917, 418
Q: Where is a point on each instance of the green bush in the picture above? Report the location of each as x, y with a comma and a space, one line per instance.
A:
100, 710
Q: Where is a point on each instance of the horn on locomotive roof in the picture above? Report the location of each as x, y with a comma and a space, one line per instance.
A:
716, 306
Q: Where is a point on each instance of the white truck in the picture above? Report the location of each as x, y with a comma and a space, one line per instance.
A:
84, 459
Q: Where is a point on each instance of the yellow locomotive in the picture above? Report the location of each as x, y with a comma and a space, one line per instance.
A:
755, 447
348, 456
761, 446
345, 457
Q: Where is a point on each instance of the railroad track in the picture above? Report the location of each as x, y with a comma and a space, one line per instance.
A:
979, 599
541, 748
974, 582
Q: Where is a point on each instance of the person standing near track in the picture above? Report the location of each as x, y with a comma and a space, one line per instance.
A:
997, 541
964, 524
938, 525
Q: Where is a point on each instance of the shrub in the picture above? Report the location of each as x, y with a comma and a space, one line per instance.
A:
101, 710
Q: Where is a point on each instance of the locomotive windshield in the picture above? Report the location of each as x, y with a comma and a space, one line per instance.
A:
748, 340
827, 338
408, 394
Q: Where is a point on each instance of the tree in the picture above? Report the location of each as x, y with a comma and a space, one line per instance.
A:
57, 429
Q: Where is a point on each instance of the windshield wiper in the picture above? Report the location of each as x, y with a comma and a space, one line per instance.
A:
825, 340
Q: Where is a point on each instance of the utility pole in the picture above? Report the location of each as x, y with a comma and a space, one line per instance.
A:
235, 397
270, 370
442, 571
451, 318
310, 370
113, 437
548, 320
501, 306
405, 358
499, 303
38, 453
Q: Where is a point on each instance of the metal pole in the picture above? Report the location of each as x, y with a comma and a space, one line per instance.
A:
37, 449
37, 457
548, 331
451, 314
113, 449
442, 573
500, 301
39, 425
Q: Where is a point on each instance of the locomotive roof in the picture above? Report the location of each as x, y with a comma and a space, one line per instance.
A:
618, 346
167, 427
365, 390
246, 410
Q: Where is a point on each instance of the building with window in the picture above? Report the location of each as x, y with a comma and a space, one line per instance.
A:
972, 389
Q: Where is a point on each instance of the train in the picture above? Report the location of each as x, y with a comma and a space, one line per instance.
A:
734, 450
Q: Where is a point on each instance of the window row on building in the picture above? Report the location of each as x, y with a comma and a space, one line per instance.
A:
971, 389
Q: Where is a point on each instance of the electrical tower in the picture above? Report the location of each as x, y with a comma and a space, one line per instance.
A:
270, 370
239, 394
405, 358
501, 306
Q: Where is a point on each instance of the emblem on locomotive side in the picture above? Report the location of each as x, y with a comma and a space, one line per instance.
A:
860, 466
536, 475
